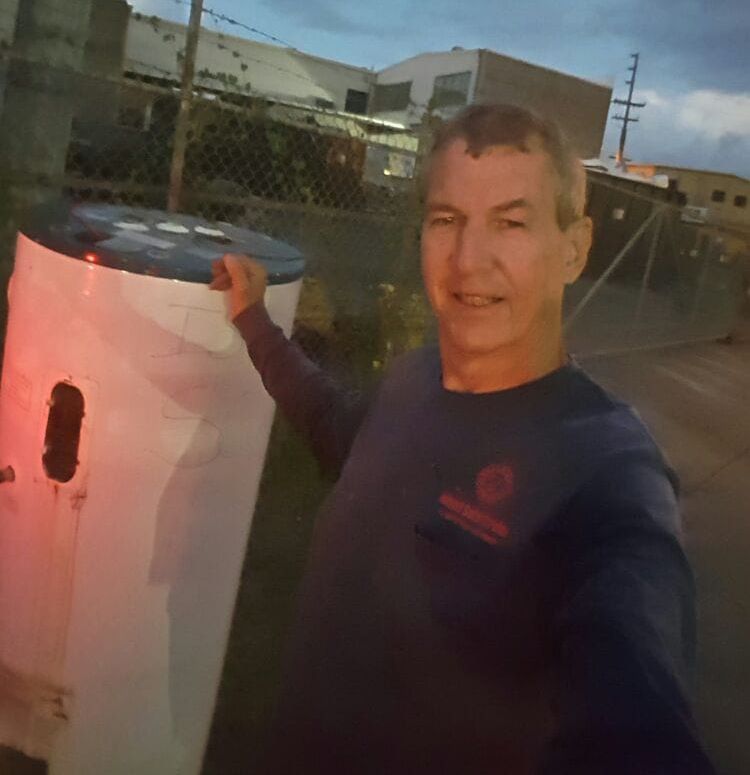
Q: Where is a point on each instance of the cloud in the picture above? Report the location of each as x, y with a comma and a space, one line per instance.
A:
694, 43
701, 128
652, 98
687, 44
716, 114
166, 9
329, 16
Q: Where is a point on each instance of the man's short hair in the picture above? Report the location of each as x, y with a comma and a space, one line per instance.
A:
485, 126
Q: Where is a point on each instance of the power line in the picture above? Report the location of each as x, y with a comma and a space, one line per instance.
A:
243, 57
218, 16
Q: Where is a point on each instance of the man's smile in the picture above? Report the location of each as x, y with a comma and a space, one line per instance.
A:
477, 300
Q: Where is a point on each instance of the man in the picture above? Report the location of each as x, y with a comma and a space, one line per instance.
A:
496, 583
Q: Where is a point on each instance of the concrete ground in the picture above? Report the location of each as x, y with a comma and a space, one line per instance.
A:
696, 400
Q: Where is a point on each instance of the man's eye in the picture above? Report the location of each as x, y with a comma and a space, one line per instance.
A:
442, 220
506, 223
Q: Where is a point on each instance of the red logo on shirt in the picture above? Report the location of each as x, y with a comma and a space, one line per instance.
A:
493, 485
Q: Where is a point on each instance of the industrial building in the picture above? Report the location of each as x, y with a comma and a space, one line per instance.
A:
445, 82
716, 198
398, 94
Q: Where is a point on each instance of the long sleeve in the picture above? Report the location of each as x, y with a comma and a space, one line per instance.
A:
625, 625
324, 412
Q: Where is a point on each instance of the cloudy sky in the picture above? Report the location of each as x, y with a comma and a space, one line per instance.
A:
695, 57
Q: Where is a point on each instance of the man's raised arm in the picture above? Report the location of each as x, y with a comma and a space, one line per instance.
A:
625, 625
323, 411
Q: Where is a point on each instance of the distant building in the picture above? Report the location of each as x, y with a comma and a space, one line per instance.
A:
232, 64
398, 94
447, 81
718, 198
388, 104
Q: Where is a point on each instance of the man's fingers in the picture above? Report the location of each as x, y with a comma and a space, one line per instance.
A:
237, 270
244, 269
221, 283
244, 278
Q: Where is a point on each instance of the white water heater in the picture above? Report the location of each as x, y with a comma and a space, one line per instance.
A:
136, 429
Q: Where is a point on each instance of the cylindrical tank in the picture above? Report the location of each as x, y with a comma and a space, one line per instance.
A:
136, 427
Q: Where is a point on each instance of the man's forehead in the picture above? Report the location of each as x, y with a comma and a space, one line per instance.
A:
531, 146
496, 166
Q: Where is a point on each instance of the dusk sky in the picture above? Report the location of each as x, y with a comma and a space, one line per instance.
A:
695, 58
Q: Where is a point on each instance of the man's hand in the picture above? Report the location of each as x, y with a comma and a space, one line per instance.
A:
244, 278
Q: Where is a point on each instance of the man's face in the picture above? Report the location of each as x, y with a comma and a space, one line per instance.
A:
494, 259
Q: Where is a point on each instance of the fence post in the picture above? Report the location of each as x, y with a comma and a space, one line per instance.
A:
701, 281
183, 117
611, 268
647, 271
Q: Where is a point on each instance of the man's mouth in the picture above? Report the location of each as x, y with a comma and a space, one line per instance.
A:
475, 300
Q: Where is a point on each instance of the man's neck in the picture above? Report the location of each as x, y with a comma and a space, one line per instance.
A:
499, 369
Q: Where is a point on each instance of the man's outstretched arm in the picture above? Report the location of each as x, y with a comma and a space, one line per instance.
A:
625, 629
319, 408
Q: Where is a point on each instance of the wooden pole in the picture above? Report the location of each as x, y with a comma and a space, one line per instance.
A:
183, 117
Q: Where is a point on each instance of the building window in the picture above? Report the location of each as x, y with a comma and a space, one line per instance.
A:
451, 90
356, 102
718, 196
134, 112
391, 96
321, 102
740, 200
681, 198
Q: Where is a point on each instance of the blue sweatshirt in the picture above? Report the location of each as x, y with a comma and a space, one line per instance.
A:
496, 583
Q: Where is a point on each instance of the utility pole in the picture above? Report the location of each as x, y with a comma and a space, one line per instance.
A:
626, 119
186, 99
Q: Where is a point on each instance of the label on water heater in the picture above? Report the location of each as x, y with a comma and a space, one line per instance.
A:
144, 239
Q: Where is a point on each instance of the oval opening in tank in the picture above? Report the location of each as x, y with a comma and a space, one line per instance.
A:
63, 433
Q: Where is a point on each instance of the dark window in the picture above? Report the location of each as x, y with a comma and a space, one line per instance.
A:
451, 90
718, 196
60, 457
320, 102
391, 96
134, 116
740, 200
681, 198
356, 102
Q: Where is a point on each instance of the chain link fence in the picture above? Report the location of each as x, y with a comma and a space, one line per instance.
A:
652, 278
343, 190
337, 187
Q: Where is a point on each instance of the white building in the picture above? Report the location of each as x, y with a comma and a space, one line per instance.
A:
229, 63
447, 81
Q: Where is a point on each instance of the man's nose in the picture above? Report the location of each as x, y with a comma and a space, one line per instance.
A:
472, 251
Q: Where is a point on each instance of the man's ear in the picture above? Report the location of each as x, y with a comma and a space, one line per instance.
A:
577, 246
